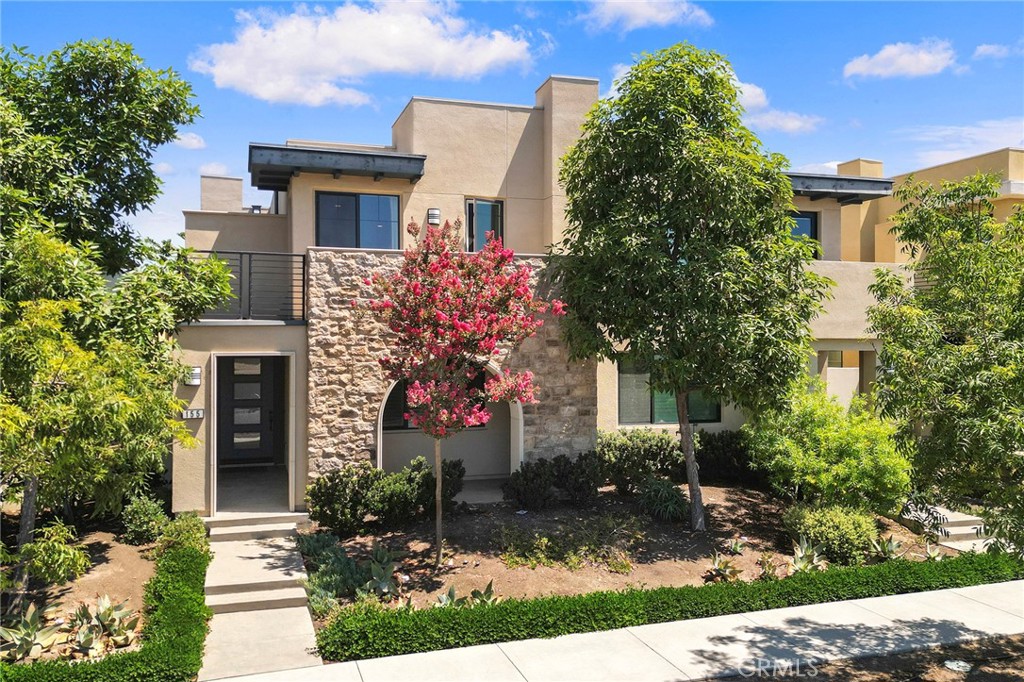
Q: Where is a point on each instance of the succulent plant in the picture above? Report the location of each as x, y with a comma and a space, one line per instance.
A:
737, 545
768, 566
28, 637
723, 570
889, 548
808, 557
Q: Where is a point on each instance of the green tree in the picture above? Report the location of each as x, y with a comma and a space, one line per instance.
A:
678, 253
100, 114
953, 349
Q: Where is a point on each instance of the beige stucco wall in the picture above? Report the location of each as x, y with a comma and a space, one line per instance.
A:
221, 231
845, 314
219, 193
191, 487
347, 387
829, 224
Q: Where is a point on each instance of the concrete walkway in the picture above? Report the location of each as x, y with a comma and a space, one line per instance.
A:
708, 647
254, 586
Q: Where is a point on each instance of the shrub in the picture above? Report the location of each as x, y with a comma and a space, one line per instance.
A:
531, 485
579, 478
172, 638
723, 458
362, 632
143, 519
845, 535
661, 499
453, 473
52, 558
337, 500
395, 498
185, 530
818, 452
629, 456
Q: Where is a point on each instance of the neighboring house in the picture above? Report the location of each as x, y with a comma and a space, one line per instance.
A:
286, 383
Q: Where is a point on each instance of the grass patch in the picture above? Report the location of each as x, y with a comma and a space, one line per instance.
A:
606, 540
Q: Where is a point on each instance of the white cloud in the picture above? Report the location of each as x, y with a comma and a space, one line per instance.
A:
991, 51
828, 167
163, 168
784, 121
618, 71
942, 144
909, 60
314, 56
628, 15
752, 96
760, 115
213, 168
190, 141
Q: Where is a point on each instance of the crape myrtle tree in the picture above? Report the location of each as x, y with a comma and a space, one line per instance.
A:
450, 313
678, 252
952, 352
88, 361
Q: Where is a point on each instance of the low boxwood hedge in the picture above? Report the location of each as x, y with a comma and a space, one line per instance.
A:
368, 632
172, 639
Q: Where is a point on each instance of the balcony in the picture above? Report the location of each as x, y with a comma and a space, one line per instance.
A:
266, 286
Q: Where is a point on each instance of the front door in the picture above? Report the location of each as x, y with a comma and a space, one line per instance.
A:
251, 420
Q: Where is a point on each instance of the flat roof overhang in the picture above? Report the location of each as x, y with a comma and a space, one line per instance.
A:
845, 189
271, 166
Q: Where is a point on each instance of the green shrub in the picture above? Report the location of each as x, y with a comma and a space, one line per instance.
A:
629, 456
845, 535
531, 485
816, 451
52, 558
394, 498
579, 478
185, 530
143, 519
663, 500
453, 473
361, 632
172, 638
723, 457
337, 500
313, 546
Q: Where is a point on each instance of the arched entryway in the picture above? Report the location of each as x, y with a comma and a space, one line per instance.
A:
489, 452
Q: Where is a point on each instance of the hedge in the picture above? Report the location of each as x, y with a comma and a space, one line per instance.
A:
362, 632
172, 638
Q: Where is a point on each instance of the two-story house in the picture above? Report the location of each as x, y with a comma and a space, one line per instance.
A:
285, 382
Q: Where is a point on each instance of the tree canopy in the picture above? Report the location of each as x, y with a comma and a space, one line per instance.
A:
952, 352
80, 127
678, 252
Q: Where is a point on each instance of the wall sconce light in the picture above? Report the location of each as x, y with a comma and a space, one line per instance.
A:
195, 377
433, 216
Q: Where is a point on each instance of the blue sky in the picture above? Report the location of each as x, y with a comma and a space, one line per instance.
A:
911, 84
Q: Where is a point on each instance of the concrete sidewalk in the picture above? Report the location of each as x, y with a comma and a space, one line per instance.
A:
709, 647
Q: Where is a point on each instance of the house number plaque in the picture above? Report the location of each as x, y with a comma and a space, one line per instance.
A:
193, 414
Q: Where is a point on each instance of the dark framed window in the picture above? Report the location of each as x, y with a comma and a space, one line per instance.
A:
397, 405
638, 404
483, 216
807, 226
357, 221
835, 358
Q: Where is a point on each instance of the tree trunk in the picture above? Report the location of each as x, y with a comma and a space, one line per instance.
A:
26, 533
692, 478
437, 500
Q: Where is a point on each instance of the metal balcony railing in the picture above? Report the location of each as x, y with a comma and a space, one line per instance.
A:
266, 286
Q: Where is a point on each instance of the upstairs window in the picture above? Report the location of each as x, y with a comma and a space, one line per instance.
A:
357, 221
483, 216
638, 404
807, 226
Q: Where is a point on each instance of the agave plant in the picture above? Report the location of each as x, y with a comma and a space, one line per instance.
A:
889, 548
737, 545
114, 621
28, 637
769, 566
932, 552
723, 570
382, 580
448, 600
808, 557
486, 597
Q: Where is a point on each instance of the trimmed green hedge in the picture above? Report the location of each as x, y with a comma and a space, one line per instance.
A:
366, 632
172, 639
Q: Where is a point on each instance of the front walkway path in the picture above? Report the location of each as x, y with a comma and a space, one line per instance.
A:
709, 647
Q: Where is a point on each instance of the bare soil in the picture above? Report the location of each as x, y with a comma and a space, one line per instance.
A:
991, 660
117, 570
668, 555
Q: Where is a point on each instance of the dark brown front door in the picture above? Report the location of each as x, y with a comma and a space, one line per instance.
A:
251, 415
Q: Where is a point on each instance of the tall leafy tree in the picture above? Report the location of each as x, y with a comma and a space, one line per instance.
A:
450, 313
678, 254
953, 349
102, 113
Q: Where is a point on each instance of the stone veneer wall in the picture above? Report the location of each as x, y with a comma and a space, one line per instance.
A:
347, 386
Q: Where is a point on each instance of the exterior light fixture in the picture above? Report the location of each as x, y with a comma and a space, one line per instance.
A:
195, 377
433, 216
